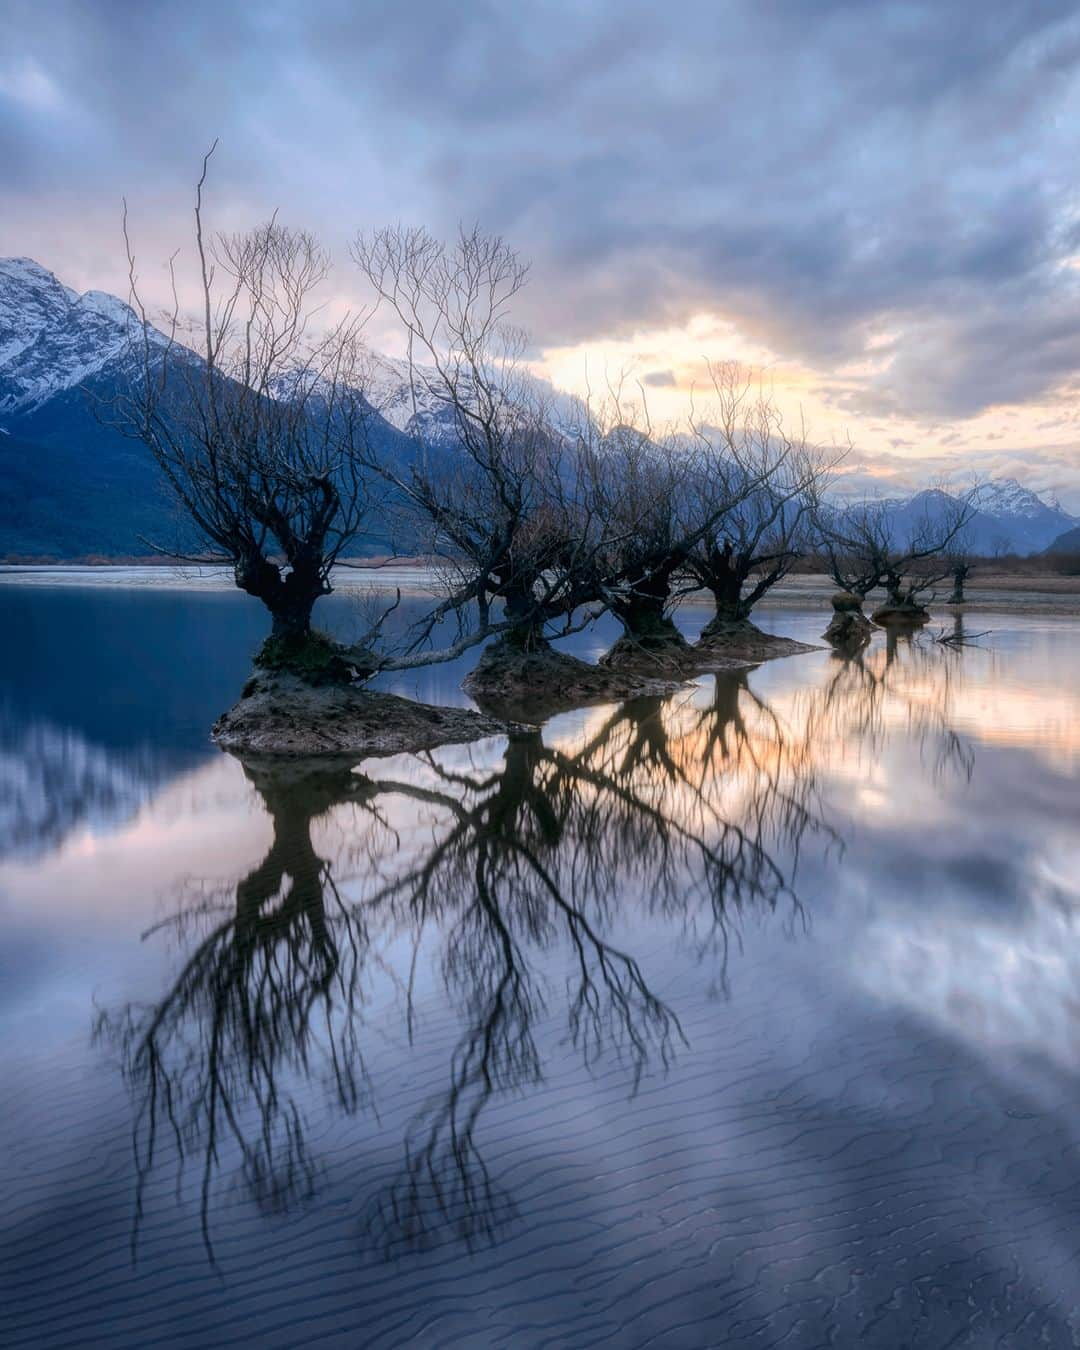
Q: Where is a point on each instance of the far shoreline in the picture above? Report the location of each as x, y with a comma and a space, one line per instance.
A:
1047, 594
410, 576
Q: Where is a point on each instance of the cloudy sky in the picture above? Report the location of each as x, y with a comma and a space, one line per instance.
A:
878, 202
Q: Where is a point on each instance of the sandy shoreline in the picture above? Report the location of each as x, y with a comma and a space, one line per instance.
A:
1047, 594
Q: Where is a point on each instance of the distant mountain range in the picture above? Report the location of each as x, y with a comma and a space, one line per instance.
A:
1009, 518
72, 487
68, 485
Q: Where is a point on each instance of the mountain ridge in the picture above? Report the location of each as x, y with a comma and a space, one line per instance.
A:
70, 486
52, 338
1008, 517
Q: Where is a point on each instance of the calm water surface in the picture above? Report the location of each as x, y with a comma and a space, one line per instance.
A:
749, 1017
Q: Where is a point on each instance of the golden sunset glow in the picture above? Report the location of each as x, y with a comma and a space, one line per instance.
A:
666, 370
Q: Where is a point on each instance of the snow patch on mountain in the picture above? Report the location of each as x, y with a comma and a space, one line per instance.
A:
52, 338
1008, 517
414, 400
1007, 497
407, 397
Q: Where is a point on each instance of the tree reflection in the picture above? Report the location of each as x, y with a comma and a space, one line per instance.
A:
274, 972
910, 684
689, 810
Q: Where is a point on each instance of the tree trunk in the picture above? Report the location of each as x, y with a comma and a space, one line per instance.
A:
725, 712
526, 633
519, 792
646, 624
893, 589
293, 619
292, 866
849, 630
725, 576
290, 598
642, 612
959, 577
729, 612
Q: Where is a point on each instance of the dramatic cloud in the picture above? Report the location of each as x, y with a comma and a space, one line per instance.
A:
881, 193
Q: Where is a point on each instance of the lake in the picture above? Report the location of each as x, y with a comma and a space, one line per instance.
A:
746, 1017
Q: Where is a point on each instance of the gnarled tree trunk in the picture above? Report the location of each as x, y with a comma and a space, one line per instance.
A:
724, 577
526, 631
642, 610
290, 597
960, 575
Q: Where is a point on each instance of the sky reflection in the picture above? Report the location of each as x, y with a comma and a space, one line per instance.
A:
715, 962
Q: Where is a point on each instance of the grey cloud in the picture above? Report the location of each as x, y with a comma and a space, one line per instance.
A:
886, 167
1012, 350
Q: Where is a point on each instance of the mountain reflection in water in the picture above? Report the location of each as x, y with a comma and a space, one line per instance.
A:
747, 1016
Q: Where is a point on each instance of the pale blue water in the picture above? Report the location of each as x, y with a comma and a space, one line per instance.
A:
748, 1018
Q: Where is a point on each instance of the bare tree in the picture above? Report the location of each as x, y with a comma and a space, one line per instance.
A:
697, 814
909, 685
271, 985
500, 512
958, 555
721, 506
856, 541
864, 548
643, 485
757, 482
259, 431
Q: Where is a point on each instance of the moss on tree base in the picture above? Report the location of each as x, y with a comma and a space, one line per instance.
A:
312, 657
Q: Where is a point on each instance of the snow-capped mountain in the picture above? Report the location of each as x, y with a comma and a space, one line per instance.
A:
410, 399
71, 486
1007, 497
1009, 518
1032, 522
53, 339
404, 397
